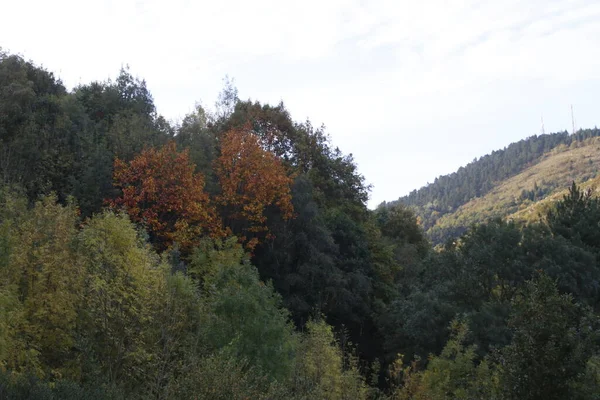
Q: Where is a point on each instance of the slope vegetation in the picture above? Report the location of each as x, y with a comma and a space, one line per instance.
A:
524, 195
505, 182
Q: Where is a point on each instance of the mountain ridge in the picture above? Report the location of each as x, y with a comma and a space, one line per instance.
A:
449, 205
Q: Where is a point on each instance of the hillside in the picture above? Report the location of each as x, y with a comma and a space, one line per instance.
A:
536, 211
520, 196
505, 182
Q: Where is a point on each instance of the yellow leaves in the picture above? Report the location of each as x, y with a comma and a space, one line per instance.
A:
124, 284
11, 321
41, 290
320, 368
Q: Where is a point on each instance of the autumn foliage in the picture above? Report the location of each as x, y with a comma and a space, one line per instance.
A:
160, 189
252, 179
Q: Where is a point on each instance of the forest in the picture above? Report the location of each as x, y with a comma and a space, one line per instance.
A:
231, 255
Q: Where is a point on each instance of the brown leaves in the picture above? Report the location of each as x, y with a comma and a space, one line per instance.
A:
252, 179
161, 190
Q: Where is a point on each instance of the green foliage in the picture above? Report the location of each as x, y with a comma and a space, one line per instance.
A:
121, 289
301, 259
325, 262
478, 276
588, 384
491, 262
175, 334
550, 356
243, 315
577, 218
35, 132
454, 374
322, 370
195, 135
575, 268
399, 223
25, 387
550, 330
221, 376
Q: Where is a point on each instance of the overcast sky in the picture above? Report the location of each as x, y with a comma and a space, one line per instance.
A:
414, 89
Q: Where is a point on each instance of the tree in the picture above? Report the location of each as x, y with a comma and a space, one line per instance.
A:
274, 126
492, 263
576, 218
38, 140
401, 230
455, 373
552, 342
176, 334
323, 370
573, 265
220, 376
300, 260
123, 288
252, 179
161, 190
202, 142
305, 150
228, 98
244, 316
104, 101
43, 275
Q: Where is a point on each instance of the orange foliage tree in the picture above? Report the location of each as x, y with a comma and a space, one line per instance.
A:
160, 189
252, 179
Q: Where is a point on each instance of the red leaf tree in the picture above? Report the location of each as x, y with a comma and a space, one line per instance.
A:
252, 179
160, 189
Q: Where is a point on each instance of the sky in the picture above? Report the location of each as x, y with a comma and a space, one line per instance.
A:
413, 89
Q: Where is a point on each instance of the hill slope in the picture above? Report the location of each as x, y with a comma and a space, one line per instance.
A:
505, 182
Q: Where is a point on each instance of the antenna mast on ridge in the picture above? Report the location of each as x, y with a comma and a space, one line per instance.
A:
543, 130
572, 119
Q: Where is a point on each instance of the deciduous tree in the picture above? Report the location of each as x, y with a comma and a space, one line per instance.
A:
252, 179
160, 189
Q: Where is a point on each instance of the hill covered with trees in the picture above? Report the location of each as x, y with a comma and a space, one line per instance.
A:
232, 256
503, 182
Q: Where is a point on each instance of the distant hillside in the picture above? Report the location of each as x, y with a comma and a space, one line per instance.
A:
505, 182
536, 211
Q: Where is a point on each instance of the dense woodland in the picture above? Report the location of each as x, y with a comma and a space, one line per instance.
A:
232, 256
447, 193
